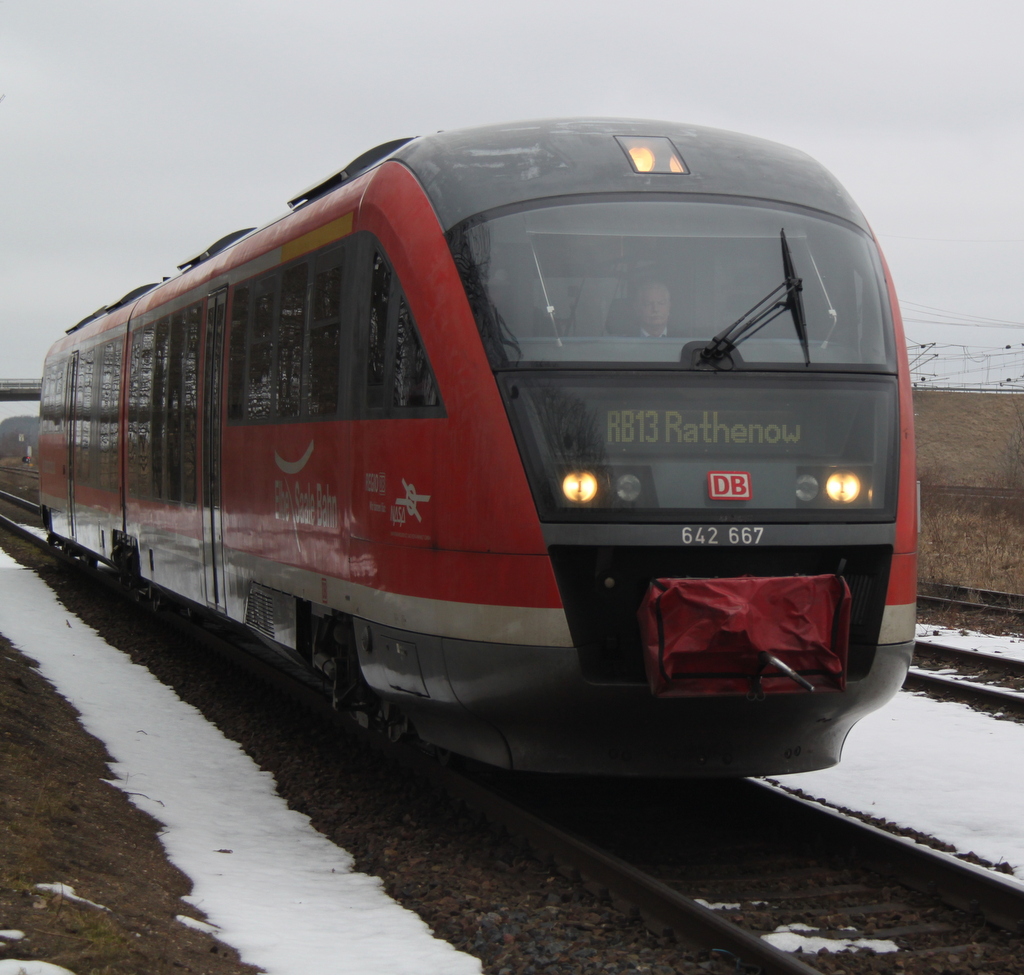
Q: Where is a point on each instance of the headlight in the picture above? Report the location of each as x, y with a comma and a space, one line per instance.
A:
627, 487
806, 487
580, 486
843, 486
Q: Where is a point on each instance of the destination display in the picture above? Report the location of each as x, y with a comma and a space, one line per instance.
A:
705, 426
659, 447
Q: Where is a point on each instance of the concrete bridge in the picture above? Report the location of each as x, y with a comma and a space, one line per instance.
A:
17, 390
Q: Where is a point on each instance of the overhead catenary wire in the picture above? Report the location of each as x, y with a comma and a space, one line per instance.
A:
951, 366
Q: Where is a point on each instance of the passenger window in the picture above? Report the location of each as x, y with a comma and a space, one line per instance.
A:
161, 353
172, 427
414, 380
140, 400
289, 340
380, 293
110, 391
325, 337
327, 294
236, 354
83, 416
190, 403
163, 385
260, 393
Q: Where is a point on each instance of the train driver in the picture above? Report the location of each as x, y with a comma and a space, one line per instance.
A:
652, 305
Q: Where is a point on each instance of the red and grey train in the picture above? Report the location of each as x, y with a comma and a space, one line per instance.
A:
578, 446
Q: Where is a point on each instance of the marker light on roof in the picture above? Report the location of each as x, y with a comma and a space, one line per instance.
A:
651, 154
642, 159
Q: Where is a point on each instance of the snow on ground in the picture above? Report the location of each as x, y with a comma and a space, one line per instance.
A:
792, 937
1004, 646
12, 966
68, 893
285, 896
934, 766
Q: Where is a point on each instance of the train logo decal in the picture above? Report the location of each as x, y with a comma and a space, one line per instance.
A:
409, 505
293, 467
729, 486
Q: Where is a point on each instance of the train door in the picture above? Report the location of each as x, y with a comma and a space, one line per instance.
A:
71, 400
213, 527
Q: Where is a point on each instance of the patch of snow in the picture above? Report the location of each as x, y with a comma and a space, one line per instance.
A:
12, 966
787, 937
935, 766
718, 905
68, 893
288, 899
12, 935
196, 925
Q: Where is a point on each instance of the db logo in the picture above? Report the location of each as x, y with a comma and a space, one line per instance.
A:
729, 486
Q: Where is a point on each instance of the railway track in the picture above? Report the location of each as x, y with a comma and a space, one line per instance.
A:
964, 597
733, 862
980, 687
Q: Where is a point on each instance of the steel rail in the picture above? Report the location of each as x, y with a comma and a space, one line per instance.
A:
961, 884
20, 502
964, 885
965, 691
943, 593
978, 658
966, 604
23, 471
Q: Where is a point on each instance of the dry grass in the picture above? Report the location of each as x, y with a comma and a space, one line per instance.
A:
972, 542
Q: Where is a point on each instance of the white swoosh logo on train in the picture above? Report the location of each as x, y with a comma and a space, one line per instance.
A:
293, 467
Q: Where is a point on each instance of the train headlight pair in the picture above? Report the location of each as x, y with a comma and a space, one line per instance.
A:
841, 487
581, 487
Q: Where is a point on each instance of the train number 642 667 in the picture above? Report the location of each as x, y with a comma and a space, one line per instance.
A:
747, 535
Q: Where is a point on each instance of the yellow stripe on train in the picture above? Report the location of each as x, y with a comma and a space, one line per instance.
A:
329, 232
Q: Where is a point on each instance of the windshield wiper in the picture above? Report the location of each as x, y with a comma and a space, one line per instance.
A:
784, 297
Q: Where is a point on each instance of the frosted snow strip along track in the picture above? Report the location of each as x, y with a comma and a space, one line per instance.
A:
935, 766
285, 896
1004, 646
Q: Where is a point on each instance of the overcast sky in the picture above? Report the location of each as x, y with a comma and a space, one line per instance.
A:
136, 132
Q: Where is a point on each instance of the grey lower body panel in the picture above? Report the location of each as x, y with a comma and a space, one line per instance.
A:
531, 709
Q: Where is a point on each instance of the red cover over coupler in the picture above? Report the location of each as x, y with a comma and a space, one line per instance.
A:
715, 636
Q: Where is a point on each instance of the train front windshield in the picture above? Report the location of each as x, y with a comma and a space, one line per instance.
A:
633, 281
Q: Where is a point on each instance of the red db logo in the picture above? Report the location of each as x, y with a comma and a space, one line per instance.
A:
729, 486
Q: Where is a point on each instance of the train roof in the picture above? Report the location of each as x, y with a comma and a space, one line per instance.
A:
471, 171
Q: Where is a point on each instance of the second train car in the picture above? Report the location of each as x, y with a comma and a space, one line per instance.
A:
578, 446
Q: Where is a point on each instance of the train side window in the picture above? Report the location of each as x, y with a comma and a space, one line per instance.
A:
109, 423
327, 292
289, 340
376, 357
190, 402
414, 383
82, 430
172, 423
46, 399
236, 353
158, 414
140, 400
260, 392
325, 337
